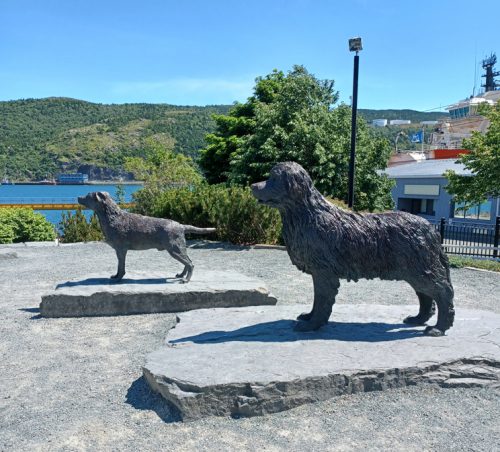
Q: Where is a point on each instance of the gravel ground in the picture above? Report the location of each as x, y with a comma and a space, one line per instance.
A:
75, 384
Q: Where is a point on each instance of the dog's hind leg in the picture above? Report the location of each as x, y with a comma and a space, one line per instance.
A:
121, 254
325, 291
182, 273
443, 294
426, 311
179, 253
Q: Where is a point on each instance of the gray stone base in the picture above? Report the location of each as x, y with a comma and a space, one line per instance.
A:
248, 362
140, 293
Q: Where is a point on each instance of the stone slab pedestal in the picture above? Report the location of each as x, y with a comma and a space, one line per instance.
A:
249, 361
141, 293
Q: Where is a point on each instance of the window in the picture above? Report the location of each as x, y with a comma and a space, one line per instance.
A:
424, 206
417, 206
474, 212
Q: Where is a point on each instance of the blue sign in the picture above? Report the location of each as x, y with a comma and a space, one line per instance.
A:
417, 137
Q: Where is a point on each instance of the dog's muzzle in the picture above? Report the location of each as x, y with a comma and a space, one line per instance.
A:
257, 189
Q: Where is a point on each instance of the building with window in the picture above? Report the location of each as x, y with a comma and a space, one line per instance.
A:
421, 189
379, 122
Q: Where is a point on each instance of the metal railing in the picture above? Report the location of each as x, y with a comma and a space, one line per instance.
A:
470, 239
47, 203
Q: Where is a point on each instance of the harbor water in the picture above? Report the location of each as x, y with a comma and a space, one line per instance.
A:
52, 194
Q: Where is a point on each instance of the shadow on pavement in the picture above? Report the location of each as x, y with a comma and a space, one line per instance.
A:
112, 282
140, 396
282, 331
35, 311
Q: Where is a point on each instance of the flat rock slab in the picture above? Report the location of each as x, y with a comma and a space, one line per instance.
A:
249, 361
140, 293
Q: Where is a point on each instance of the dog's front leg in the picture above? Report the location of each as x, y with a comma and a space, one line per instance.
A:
121, 254
325, 291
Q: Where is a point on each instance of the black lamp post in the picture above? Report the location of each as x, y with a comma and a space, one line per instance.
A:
354, 46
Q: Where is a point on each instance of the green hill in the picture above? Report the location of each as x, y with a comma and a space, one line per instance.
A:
43, 137
413, 115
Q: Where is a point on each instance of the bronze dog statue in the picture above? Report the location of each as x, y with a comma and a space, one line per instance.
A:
330, 244
125, 231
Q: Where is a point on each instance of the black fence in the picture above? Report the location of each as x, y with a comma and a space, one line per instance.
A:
470, 239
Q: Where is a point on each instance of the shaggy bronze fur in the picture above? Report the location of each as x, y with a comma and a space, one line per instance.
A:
330, 244
125, 231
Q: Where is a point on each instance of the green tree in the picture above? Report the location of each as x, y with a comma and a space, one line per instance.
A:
483, 160
161, 169
292, 117
76, 228
120, 194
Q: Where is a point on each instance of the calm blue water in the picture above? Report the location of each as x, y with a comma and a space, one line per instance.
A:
31, 194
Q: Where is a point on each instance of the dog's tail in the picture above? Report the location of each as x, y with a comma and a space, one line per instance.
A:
194, 230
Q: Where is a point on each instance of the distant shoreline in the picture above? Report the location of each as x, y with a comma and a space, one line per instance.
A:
91, 182
109, 182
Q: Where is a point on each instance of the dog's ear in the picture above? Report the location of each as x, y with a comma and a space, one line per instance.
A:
100, 196
298, 184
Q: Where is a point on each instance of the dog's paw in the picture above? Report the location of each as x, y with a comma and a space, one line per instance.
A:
433, 332
305, 316
307, 326
415, 320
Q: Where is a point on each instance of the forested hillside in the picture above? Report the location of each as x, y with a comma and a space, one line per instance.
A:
413, 115
41, 137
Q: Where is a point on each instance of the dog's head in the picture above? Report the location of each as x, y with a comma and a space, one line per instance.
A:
95, 199
288, 184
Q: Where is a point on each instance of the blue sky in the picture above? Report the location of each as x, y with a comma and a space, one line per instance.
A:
416, 55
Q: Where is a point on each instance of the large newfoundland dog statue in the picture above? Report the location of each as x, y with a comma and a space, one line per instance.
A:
332, 244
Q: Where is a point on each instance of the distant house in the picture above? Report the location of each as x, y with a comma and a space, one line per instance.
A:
420, 189
73, 179
379, 122
399, 122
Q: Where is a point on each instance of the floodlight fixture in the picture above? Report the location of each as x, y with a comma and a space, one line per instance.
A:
355, 44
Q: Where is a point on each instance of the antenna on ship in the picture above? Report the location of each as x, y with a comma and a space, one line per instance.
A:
475, 70
490, 83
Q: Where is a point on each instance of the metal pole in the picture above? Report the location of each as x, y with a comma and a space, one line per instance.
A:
441, 229
350, 195
497, 235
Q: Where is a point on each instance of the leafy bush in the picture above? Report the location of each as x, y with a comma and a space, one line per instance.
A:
6, 232
24, 225
76, 228
236, 214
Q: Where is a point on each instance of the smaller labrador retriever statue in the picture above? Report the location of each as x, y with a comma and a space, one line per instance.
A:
330, 244
125, 231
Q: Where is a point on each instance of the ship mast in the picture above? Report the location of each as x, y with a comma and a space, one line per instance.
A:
490, 83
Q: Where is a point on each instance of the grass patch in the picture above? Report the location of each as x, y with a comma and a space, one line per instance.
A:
484, 264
